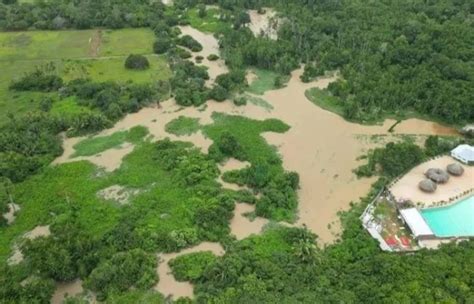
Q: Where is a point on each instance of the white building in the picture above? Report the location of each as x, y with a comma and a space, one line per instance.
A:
464, 153
417, 223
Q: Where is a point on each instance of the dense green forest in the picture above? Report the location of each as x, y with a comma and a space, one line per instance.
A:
395, 58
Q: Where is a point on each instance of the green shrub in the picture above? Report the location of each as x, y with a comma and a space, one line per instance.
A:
162, 45
212, 57
240, 101
137, 62
190, 267
124, 270
189, 42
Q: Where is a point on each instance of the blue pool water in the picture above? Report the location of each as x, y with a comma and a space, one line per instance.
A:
454, 220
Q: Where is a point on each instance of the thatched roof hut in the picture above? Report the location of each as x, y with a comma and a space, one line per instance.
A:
437, 175
427, 185
455, 169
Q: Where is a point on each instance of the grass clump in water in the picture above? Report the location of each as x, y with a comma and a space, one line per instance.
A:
95, 145
266, 80
324, 100
183, 126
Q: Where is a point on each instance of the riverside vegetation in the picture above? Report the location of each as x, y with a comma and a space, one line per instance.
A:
393, 59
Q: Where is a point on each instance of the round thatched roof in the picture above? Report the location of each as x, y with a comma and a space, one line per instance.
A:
455, 169
437, 175
427, 185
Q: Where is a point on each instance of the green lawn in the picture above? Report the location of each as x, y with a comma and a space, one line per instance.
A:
126, 42
183, 126
71, 44
265, 81
95, 145
324, 100
112, 69
210, 23
44, 45
21, 52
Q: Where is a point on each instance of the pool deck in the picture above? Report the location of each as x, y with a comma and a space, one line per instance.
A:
406, 189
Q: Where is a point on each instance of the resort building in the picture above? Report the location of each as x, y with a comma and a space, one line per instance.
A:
430, 205
464, 154
417, 224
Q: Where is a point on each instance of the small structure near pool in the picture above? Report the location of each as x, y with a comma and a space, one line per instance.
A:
418, 226
464, 154
427, 185
437, 175
455, 169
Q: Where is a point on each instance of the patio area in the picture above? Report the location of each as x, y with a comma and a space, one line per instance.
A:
406, 188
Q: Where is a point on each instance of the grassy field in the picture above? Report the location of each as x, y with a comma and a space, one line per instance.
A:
265, 81
96, 145
34, 45
112, 69
210, 23
324, 100
72, 53
183, 126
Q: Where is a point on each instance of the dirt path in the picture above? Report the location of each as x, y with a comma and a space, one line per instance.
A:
94, 44
167, 284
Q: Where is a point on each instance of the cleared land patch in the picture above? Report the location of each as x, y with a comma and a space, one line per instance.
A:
22, 52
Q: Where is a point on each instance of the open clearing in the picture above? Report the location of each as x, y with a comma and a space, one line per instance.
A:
70, 51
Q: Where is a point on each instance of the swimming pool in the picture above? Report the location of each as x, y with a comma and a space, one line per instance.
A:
452, 221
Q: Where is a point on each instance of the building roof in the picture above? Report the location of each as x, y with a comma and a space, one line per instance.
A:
416, 222
465, 152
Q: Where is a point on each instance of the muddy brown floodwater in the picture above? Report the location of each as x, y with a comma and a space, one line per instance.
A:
17, 255
66, 289
241, 226
167, 285
321, 146
210, 46
10, 215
